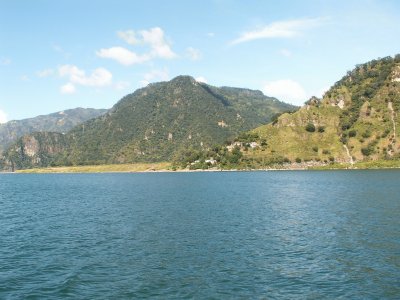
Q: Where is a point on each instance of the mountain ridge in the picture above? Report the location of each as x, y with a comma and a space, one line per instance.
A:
156, 123
61, 121
358, 116
355, 121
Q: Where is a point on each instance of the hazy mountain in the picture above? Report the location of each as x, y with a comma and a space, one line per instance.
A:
62, 121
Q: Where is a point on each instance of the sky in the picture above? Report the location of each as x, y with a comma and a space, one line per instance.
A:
56, 55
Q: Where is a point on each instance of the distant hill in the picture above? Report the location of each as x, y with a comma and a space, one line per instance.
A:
356, 120
155, 123
62, 122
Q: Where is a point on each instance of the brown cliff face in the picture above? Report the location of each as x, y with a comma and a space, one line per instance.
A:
30, 146
38, 149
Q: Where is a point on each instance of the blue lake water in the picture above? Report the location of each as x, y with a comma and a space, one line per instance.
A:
222, 235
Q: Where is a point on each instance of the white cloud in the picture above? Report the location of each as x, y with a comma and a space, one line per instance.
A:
68, 88
286, 52
3, 117
201, 79
155, 75
25, 78
281, 29
128, 36
45, 72
99, 77
122, 85
211, 34
320, 92
286, 90
159, 45
144, 83
123, 56
5, 61
70, 70
153, 38
193, 54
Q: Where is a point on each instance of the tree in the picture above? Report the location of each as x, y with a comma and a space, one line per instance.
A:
352, 133
310, 127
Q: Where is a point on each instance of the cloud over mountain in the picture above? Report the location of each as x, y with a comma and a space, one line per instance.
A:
154, 39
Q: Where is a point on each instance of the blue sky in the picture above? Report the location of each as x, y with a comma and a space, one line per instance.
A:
56, 55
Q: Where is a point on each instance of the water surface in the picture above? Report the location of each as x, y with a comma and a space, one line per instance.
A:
258, 235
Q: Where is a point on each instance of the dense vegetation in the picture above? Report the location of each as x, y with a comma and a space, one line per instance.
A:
198, 126
360, 113
56, 122
39, 149
363, 84
159, 122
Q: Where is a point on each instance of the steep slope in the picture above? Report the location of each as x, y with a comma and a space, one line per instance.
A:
158, 122
252, 104
62, 121
37, 149
356, 120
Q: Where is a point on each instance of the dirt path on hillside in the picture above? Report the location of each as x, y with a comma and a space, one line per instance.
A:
351, 161
392, 116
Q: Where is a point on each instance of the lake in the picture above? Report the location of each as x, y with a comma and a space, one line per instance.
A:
206, 235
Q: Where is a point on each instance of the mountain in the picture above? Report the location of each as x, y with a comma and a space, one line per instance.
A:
62, 122
38, 148
155, 123
356, 120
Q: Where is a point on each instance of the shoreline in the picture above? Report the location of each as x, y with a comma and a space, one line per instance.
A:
165, 168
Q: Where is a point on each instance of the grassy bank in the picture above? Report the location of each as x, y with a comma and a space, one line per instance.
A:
165, 166
362, 165
139, 167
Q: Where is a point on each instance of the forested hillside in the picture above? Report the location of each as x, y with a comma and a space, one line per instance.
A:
357, 120
62, 121
155, 123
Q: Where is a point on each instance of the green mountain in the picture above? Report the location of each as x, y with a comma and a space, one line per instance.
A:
36, 149
62, 121
155, 123
356, 120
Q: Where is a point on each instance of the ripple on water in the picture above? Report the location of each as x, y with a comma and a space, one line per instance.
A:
263, 235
